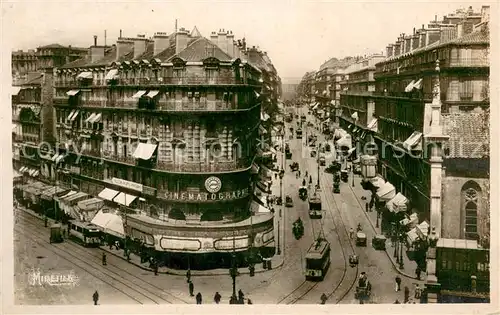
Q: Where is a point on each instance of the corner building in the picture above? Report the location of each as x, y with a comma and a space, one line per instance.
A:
165, 130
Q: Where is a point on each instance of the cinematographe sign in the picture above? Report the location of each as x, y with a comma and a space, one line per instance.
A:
203, 196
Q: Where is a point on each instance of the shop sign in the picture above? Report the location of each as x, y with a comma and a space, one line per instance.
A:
127, 184
203, 196
229, 244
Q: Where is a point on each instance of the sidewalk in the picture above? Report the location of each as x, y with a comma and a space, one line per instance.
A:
276, 261
409, 266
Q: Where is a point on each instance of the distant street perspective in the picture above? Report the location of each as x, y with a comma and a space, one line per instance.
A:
179, 168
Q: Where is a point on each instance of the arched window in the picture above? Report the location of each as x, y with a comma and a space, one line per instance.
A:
470, 199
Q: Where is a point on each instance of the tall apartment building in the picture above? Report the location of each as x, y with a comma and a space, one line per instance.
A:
166, 128
432, 134
357, 106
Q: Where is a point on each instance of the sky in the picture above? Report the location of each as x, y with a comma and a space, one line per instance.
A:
297, 35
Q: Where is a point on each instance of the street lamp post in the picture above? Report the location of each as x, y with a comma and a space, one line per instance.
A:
401, 263
233, 271
279, 249
378, 218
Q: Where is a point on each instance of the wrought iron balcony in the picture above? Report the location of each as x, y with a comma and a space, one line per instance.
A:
203, 167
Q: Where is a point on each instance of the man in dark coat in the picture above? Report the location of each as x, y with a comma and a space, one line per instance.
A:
104, 263
198, 298
95, 297
398, 283
418, 271
217, 297
191, 288
407, 294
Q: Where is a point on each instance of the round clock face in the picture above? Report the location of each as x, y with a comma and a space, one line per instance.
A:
213, 184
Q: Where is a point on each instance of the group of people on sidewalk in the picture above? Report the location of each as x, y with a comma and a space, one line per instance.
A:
407, 299
217, 296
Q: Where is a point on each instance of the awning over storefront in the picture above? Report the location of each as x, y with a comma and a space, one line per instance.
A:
386, 192
110, 222
262, 186
258, 208
138, 94
355, 116
377, 181
264, 116
397, 204
95, 119
345, 141
144, 151
255, 169
73, 115
262, 130
124, 199
70, 193
373, 125
90, 204
108, 194
412, 236
152, 94
409, 87
15, 90
91, 117
72, 92
111, 75
49, 193
423, 228
418, 85
413, 141
75, 197
85, 75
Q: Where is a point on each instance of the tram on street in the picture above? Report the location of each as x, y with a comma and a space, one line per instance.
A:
317, 260
298, 133
86, 233
315, 207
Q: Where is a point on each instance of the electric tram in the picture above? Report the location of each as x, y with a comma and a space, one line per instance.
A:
317, 260
86, 233
315, 207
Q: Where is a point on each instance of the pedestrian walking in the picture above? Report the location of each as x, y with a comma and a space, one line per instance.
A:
397, 302
323, 298
191, 288
198, 298
104, 263
217, 297
418, 271
249, 301
351, 233
398, 283
418, 292
241, 295
156, 268
407, 294
188, 276
95, 297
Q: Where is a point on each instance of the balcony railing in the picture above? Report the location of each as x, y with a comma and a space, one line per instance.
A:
188, 81
79, 83
118, 158
60, 100
203, 167
469, 62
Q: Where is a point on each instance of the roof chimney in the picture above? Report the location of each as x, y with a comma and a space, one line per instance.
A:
213, 38
95, 40
222, 40
230, 43
181, 40
123, 46
120, 34
161, 42
96, 52
139, 45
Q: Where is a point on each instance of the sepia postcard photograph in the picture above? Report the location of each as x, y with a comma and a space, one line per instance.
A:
187, 156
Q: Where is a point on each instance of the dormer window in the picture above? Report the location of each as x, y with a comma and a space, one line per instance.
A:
178, 63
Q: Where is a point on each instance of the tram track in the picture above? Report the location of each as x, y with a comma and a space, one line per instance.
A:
131, 285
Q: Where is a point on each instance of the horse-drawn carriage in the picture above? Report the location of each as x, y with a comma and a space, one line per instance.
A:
344, 176
303, 193
363, 289
294, 166
288, 202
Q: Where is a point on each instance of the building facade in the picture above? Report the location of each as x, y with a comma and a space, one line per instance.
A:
166, 128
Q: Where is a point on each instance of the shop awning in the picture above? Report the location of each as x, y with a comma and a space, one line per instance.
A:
373, 125
139, 94
424, 228
355, 116
397, 204
144, 151
412, 235
418, 85
262, 130
264, 116
73, 115
409, 87
90, 204
85, 75
344, 142
412, 141
111, 223
95, 119
75, 197
315, 106
124, 199
69, 194
152, 93
15, 90
91, 117
23, 169
258, 208
386, 192
111, 75
49, 193
255, 169
377, 182
35, 173
72, 92
108, 194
